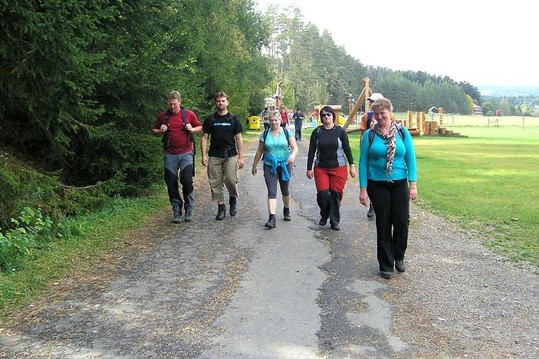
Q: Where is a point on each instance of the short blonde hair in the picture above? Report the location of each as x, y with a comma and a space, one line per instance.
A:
382, 104
174, 95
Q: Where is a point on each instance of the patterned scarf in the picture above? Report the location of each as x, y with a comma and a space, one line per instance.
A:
390, 143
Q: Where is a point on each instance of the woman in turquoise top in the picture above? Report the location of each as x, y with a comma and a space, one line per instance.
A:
279, 149
388, 178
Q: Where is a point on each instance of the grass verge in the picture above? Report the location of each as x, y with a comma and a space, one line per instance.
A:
99, 233
487, 182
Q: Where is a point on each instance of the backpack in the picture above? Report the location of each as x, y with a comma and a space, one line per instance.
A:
369, 119
166, 139
265, 134
400, 130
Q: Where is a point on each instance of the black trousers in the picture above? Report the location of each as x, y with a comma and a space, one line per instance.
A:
297, 126
329, 204
391, 204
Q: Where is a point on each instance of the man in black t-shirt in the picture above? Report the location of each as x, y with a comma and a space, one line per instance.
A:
225, 155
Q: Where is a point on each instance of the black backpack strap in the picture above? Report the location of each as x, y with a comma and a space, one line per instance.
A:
286, 133
167, 117
184, 120
166, 136
400, 129
372, 131
191, 138
184, 116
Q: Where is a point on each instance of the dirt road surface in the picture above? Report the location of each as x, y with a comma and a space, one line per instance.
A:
233, 289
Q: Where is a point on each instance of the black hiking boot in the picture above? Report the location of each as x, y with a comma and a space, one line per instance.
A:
189, 215
221, 212
271, 222
286, 214
400, 266
177, 216
232, 202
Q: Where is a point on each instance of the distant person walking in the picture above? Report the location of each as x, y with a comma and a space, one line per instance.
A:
284, 117
298, 118
278, 149
177, 125
388, 178
266, 118
225, 156
329, 152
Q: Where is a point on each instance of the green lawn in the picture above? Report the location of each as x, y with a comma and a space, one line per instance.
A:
487, 182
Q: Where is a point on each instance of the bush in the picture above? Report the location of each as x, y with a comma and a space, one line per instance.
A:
21, 186
31, 233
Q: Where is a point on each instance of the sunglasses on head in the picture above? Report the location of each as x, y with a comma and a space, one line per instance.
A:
326, 114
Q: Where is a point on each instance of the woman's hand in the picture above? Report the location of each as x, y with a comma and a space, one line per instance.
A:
363, 197
353, 172
290, 160
412, 193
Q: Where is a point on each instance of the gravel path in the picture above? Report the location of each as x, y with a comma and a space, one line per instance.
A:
231, 289
470, 303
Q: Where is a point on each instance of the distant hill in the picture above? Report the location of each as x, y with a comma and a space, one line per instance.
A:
501, 91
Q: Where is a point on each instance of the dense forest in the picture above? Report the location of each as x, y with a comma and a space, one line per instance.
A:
82, 81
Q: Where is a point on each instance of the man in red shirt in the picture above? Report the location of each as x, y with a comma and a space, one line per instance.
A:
177, 126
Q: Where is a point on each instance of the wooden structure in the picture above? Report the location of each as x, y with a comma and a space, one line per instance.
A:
362, 100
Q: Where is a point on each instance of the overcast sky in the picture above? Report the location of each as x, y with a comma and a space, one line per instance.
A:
483, 43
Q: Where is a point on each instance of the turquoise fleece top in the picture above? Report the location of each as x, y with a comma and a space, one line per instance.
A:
373, 160
277, 152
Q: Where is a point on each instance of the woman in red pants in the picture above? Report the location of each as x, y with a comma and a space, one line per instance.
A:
327, 162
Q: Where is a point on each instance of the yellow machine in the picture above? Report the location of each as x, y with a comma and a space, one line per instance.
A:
254, 122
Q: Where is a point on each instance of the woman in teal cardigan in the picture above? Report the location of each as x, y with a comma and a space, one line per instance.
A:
277, 146
388, 178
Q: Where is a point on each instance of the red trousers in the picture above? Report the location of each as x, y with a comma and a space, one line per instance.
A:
332, 179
